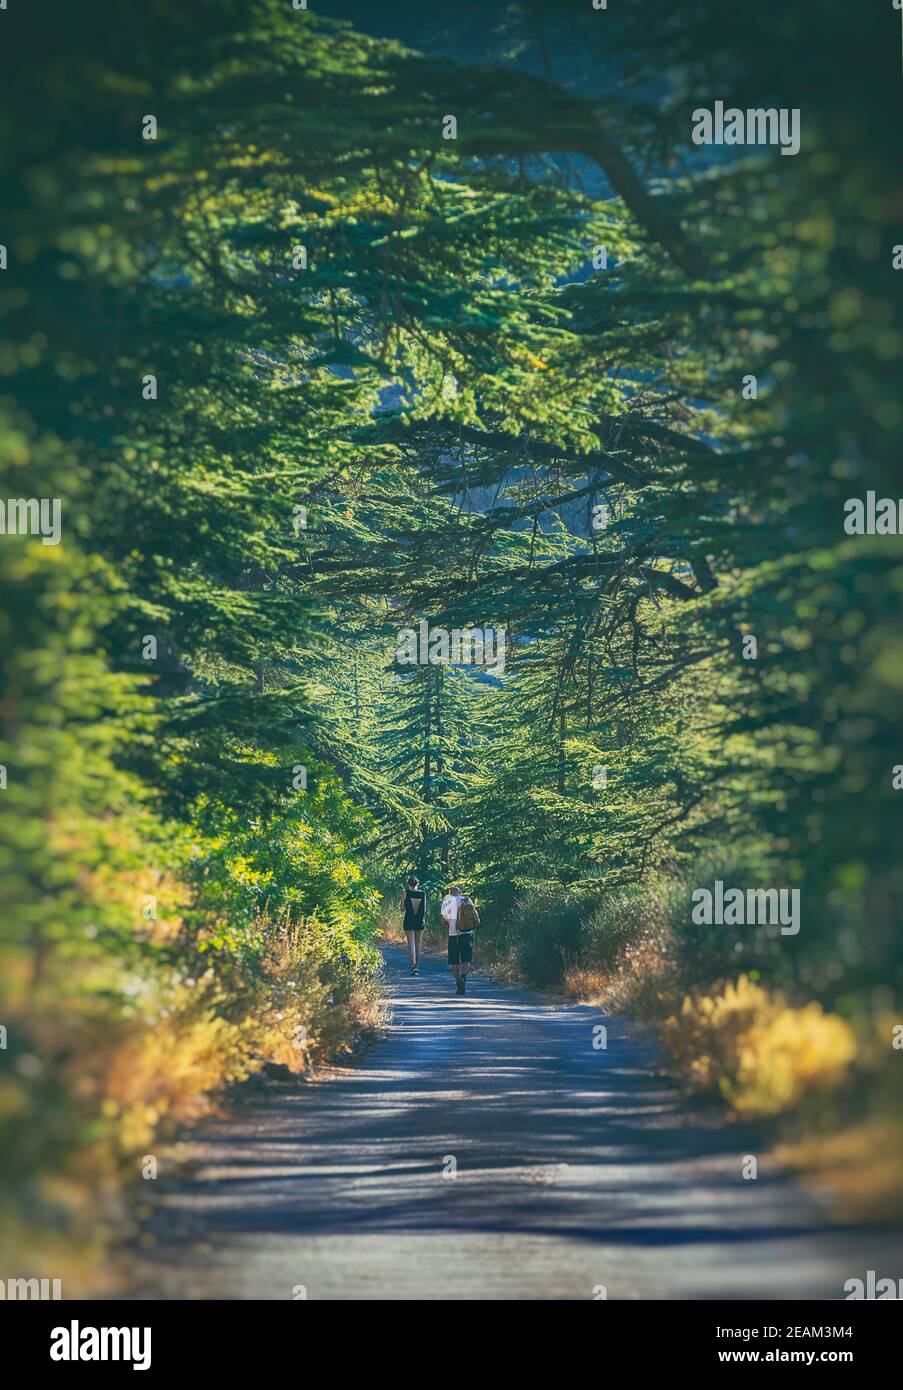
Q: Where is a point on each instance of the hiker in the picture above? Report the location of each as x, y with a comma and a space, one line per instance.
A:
460, 916
413, 904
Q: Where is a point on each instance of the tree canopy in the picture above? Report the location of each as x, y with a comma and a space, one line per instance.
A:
317, 337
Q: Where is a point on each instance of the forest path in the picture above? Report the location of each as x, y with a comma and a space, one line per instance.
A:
576, 1167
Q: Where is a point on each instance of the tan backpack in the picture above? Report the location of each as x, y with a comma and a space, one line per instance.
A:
468, 917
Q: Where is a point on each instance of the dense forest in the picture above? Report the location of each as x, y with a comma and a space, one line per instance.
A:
320, 339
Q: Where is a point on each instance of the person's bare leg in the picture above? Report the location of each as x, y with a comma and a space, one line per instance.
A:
412, 947
418, 937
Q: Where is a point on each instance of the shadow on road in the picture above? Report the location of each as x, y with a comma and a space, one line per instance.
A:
489, 1132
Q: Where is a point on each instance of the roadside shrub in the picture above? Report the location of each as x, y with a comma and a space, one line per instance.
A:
762, 1054
622, 921
708, 953
198, 962
310, 1002
549, 934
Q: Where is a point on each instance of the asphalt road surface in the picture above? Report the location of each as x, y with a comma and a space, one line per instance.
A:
485, 1149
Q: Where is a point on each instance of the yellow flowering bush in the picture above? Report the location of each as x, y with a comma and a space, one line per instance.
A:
761, 1053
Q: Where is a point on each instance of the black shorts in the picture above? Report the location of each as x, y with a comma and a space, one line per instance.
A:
414, 928
460, 948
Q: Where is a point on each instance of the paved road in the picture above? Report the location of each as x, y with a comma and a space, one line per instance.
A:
576, 1168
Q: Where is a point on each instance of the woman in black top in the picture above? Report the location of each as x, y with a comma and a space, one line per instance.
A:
413, 902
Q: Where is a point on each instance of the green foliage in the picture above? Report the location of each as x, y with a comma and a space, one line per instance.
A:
448, 388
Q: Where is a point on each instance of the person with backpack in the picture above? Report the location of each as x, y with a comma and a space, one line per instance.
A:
460, 916
413, 905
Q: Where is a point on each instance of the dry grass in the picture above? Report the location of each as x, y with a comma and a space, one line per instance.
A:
121, 1084
583, 985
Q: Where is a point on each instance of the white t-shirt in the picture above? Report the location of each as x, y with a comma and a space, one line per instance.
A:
451, 904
